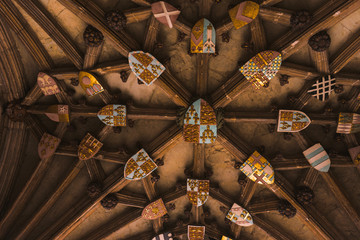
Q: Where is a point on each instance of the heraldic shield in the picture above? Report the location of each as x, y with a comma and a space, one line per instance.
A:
154, 210
58, 113
322, 88
198, 191
258, 169
88, 147
47, 84
260, 69
243, 13
145, 66
165, 13
48, 145
318, 158
196, 232
89, 83
200, 123
292, 121
164, 236
139, 166
113, 115
355, 154
348, 123
225, 238
239, 216
203, 37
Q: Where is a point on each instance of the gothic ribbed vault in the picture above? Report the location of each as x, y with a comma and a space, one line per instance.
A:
61, 197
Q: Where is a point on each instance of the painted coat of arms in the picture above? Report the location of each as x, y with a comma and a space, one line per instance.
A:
203, 37
165, 13
89, 83
145, 66
348, 123
318, 158
322, 88
355, 154
225, 238
113, 115
200, 123
258, 169
239, 216
58, 113
47, 84
48, 145
139, 166
88, 147
164, 236
292, 121
243, 13
260, 69
196, 232
154, 210
198, 191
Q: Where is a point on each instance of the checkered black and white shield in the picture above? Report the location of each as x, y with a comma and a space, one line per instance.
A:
322, 88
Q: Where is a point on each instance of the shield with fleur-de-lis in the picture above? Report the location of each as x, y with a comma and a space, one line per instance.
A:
145, 66
88, 147
240, 216
260, 69
139, 166
292, 121
113, 115
348, 123
200, 123
196, 232
154, 210
58, 113
258, 169
47, 84
203, 37
89, 83
244, 13
48, 145
165, 13
198, 191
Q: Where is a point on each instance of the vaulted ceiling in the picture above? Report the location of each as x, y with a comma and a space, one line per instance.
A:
60, 197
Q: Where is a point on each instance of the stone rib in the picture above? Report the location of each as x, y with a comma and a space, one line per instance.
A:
344, 55
276, 15
29, 189
310, 217
258, 35
53, 29
327, 16
90, 13
22, 29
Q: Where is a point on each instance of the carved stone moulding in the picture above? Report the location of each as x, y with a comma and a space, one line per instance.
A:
93, 37
304, 195
286, 209
16, 112
300, 19
116, 20
320, 41
109, 202
94, 189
